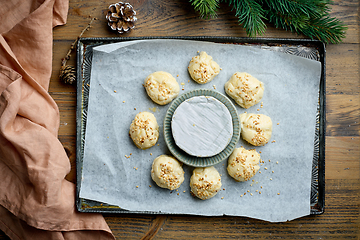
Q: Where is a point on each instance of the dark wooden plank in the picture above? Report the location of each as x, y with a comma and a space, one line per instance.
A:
342, 158
348, 12
131, 226
67, 110
177, 18
342, 69
342, 115
338, 222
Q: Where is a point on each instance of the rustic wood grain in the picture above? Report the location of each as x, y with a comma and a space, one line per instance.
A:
342, 158
343, 113
338, 222
342, 69
177, 18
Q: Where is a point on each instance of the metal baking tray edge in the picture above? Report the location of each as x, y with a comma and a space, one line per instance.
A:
84, 52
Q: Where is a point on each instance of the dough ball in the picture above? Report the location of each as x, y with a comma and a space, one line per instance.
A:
256, 128
243, 164
203, 69
244, 89
167, 172
205, 182
161, 87
144, 130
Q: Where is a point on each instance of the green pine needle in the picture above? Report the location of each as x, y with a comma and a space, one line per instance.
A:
326, 29
206, 8
250, 16
323, 28
288, 23
310, 8
308, 17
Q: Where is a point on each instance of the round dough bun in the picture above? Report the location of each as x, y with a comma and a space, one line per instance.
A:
144, 130
161, 87
205, 182
244, 89
243, 164
256, 129
167, 172
203, 69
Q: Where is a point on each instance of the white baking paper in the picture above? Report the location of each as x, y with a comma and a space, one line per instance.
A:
116, 172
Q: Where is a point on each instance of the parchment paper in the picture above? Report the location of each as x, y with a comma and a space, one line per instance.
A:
115, 171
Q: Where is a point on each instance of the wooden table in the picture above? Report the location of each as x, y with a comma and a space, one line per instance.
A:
177, 18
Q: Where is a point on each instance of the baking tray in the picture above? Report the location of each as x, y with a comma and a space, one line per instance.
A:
311, 49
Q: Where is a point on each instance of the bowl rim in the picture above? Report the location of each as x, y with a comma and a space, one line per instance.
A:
195, 161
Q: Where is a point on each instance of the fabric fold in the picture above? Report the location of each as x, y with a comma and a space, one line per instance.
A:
36, 202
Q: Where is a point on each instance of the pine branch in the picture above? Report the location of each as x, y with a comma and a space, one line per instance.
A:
286, 22
310, 8
250, 14
206, 8
308, 17
324, 28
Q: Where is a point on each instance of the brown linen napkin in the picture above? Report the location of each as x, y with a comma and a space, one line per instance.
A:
36, 202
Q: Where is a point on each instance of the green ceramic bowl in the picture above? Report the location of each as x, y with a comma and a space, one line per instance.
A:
201, 161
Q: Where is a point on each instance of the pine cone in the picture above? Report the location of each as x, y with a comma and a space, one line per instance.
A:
67, 74
121, 17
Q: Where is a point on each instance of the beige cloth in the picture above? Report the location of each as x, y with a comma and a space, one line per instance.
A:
36, 202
